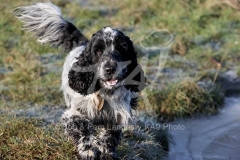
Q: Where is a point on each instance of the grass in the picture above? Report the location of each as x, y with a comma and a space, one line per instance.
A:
202, 24
28, 81
23, 138
25, 79
203, 30
183, 99
142, 143
29, 138
238, 72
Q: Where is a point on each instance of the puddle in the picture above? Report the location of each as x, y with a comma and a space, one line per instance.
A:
209, 138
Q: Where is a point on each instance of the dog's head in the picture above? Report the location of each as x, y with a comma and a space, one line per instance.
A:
108, 61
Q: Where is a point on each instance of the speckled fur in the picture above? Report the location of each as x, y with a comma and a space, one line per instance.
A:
96, 132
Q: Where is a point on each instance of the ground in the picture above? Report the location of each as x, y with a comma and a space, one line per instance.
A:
205, 45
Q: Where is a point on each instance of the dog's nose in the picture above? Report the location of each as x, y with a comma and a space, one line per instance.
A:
110, 70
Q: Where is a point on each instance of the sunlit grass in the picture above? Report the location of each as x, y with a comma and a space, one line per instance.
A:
25, 138
203, 30
183, 99
22, 138
195, 25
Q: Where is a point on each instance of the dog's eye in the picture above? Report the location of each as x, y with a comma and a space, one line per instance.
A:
124, 46
99, 52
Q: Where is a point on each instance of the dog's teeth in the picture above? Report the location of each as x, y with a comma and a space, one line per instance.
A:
112, 82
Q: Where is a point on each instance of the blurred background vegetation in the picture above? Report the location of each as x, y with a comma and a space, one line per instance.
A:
206, 42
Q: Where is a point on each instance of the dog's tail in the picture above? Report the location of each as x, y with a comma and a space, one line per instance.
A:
45, 21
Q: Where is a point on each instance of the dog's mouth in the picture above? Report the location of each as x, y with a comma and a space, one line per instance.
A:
111, 83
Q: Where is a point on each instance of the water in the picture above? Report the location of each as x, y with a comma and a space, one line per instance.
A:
209, 138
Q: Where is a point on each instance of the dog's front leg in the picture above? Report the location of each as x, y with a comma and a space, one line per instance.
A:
109, 140
81, 130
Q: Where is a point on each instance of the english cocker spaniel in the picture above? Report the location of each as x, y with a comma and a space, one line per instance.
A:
101, 79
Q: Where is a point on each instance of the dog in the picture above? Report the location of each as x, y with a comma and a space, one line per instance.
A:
101, 79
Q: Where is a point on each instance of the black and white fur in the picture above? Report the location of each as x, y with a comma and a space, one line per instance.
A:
104, 68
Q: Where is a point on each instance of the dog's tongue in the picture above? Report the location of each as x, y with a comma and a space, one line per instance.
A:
112, 82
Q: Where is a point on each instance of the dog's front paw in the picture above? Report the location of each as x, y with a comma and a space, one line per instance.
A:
90, 154
109, 156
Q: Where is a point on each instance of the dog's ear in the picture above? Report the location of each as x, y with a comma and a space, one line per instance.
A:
45, 21
82, 77
136, 80
81, 81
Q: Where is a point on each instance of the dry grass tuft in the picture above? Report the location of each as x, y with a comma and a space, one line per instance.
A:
183, 99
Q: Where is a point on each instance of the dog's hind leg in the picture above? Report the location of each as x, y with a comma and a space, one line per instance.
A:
81, 130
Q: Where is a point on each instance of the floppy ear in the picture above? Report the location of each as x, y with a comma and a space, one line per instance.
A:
136, 80
82, 77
